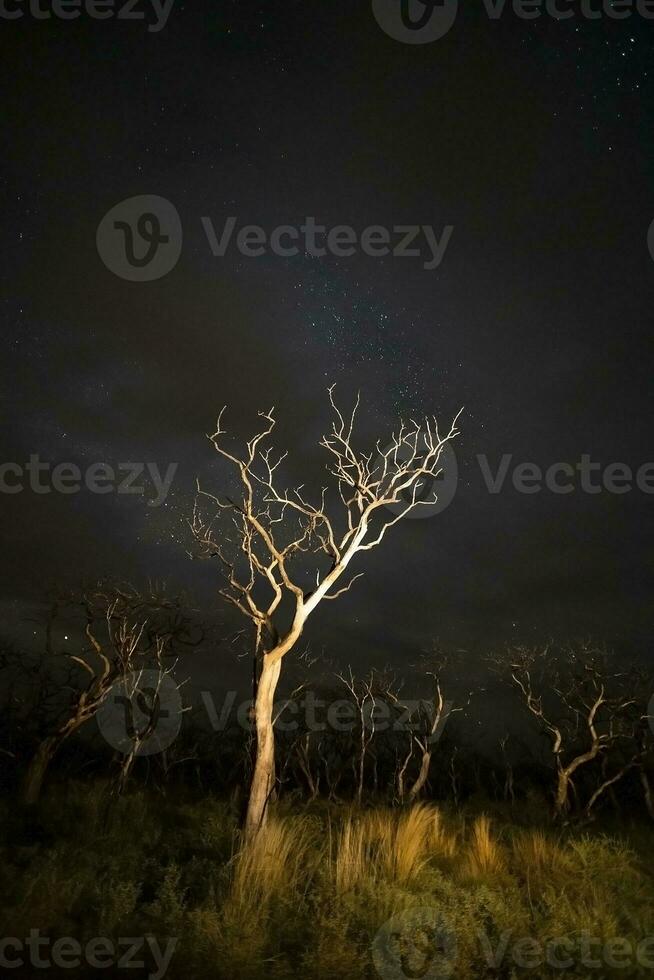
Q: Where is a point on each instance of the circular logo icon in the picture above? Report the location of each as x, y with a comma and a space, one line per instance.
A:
432, 493
417, 943
140, 239
650, 239
142, 714
415, 21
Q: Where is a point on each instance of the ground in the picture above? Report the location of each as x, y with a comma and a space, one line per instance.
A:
328, 892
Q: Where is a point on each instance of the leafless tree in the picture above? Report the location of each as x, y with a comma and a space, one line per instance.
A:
364, 694
31, 697
107, 663
586, 708
424, 721
304, 756
124, 629
139, 734
433, 714
273, 527
645, 743
454, 776
508, 791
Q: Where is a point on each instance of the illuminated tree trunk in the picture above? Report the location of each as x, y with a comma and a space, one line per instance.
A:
562, 791
564, 778
263, 779
422, 776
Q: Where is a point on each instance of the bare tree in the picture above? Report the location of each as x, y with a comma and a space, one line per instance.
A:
110, 662
432, 714
585, 707
274, 526
508, 791
31, 697
124, 629
424, 721
148, 699
454, 776
303, 754
364, 694
630, 752
645, 744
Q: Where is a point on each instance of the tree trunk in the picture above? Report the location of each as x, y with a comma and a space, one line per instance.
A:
647, 792
422, 776
565, 774
37, 768
608, 784
562, 791
45, 753
263, 779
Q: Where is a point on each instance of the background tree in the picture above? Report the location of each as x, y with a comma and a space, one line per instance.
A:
125, 630
269, 528
587, 709
427, 718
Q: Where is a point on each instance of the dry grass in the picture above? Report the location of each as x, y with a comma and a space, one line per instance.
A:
413, 842
280, 857
484, 856
352, 862
443, 842
536, 854
394, 844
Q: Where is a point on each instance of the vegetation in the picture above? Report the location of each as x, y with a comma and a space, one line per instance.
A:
394, 846
310, 895
351, 826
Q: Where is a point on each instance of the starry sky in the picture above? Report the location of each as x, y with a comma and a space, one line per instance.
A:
531, 138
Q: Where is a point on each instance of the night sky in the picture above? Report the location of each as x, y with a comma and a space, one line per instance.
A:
532, 138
